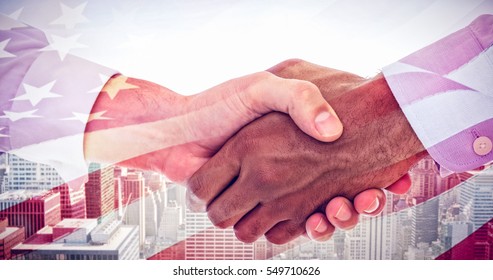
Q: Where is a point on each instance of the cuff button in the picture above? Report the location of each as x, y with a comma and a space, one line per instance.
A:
482, 146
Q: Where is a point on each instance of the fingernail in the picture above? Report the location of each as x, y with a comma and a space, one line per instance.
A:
321, 226
373, 206
327, 124
343, 214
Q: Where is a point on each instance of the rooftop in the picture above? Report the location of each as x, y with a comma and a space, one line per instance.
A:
113, 245
8, 231
22, 195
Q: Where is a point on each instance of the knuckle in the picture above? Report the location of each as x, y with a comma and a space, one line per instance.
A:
194, 204
194, 184
287, 68
262, 75
216, 218
305, 90
248, 234
284, 234
289, 62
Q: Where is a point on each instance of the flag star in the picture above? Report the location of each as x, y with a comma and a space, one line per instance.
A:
63, 45
8, 23
3, 52
86, 118
15, 15
1, 134
71, 16
36, 94
15, 116
114, 85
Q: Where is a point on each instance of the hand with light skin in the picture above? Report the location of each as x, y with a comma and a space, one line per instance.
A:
270, 177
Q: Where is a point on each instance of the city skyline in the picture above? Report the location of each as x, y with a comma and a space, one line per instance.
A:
147, 215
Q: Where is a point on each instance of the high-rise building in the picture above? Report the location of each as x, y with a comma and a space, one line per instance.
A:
133, 186
424, 222
490, 237
72, 201
30, 209
3, 178
133, 200
476, 200
171, 221
205, 242
372, 238
100, 191
176, 192
26, 175
453, 232
9, 237
82, 239
402, 237
424, 177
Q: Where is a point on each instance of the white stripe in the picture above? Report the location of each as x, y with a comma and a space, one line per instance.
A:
400, 68
441, 116
65, 154
477, 74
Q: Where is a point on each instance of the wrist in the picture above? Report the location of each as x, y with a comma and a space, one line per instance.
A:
374, 122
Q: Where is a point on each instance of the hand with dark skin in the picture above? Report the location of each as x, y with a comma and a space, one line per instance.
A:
270, 177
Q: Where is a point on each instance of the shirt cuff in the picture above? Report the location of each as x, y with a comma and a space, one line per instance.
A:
446, 92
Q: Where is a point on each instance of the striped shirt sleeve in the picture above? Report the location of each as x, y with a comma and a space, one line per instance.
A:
446, 92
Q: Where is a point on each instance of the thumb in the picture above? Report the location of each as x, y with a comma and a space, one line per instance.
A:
303, 102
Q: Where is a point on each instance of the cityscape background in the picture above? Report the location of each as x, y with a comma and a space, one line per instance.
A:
130, 214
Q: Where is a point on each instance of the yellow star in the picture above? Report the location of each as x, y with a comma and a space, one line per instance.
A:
115, 84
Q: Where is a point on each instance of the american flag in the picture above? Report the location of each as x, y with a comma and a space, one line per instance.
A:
55, 57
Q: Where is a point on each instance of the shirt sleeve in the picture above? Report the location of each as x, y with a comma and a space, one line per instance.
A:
446, 92
46, 98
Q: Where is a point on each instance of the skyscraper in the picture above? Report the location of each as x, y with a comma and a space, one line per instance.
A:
424, 222
100, 191
171, 221
205, 242
72, 201
476, 200
424, 177
133, 200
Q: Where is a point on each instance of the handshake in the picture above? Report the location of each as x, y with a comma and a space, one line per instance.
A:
265, 153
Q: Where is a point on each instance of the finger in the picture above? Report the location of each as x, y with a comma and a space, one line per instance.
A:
370, 202
303, 102
341, 213
318, 227
211, 179
285, 232
233, 203
257, 222
401, 186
